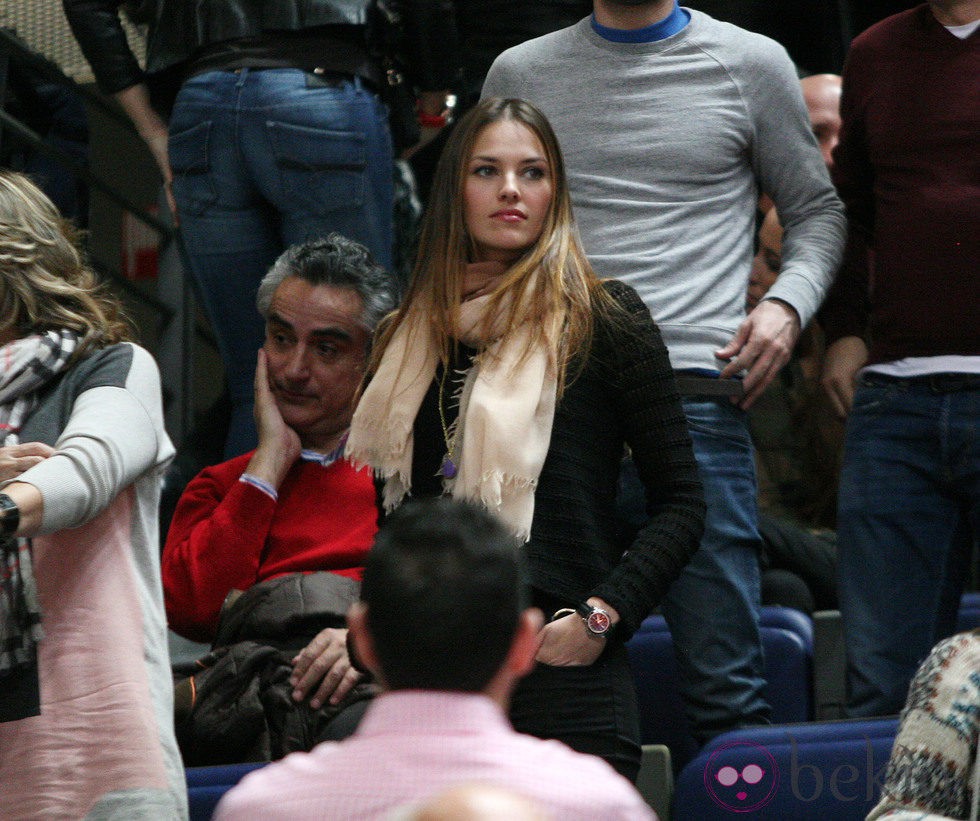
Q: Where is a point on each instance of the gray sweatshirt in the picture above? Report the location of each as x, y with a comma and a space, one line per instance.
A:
668, 145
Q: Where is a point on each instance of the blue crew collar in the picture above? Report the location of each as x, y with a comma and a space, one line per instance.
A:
668, 27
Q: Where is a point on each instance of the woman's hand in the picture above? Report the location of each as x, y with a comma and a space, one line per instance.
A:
15, 459
135, 101
567, 642
324, 664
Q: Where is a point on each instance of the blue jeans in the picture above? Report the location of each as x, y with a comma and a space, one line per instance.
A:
907, 521
264, 159
712, 608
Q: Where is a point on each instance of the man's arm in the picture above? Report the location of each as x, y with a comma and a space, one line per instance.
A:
214, 545
844, 316
322, 670
790, 168
219, 530
788, 164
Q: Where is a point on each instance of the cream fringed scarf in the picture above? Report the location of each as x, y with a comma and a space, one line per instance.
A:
507, 406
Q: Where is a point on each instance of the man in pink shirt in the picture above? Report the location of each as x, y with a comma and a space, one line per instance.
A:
443, 626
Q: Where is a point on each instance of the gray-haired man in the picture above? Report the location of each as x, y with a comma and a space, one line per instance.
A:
292, 505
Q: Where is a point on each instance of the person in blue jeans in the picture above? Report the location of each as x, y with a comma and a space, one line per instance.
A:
904, 367
277, 135
265, 159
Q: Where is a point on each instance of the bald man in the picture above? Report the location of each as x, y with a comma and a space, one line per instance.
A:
821, 93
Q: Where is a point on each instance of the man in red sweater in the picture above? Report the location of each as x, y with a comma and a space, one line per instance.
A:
292, 505
903, 328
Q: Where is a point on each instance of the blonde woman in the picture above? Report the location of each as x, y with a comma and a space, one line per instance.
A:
513, 376
82, 450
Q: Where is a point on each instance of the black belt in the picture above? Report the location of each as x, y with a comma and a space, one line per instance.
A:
935, 382
690, 385
320, 77
336, 60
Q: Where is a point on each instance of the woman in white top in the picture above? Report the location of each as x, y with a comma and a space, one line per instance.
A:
82, 451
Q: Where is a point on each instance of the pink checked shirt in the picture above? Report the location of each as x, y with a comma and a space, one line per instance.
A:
413, 744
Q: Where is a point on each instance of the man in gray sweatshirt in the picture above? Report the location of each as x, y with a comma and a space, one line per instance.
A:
672, 124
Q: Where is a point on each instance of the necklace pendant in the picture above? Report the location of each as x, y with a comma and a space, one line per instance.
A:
448, 468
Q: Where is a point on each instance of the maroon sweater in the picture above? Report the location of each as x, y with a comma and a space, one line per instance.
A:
908, 169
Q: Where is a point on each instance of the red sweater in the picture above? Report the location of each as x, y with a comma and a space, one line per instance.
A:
227, 534
908, 169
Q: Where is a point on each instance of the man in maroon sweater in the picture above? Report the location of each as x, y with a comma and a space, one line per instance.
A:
904, 330
292, 505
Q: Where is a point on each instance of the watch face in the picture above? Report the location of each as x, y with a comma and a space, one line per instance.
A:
598, 622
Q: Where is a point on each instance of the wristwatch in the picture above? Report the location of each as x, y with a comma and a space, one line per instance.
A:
597, 621
10, 520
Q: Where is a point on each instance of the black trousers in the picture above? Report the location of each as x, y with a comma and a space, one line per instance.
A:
591, 709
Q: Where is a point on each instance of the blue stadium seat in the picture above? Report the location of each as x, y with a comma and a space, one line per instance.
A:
206, 786
798, 772
787, 639
969, 615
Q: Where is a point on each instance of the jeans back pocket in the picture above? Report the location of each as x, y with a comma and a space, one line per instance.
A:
322, 168
193, 186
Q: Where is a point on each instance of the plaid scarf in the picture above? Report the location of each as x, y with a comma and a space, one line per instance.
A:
26, 365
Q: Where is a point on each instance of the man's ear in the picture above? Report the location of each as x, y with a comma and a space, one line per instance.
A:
527, 641
359, 639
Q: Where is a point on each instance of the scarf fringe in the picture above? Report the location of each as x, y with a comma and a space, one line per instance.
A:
493, 484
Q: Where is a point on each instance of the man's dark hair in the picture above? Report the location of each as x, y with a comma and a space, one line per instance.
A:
444, 591
336, 261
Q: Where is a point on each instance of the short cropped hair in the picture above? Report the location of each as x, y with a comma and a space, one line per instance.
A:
444, 588
336, 261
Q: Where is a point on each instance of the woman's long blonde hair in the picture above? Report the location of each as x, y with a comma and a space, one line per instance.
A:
558, 301
44, 282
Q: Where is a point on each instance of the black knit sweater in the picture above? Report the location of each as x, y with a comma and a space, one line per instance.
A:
625, 395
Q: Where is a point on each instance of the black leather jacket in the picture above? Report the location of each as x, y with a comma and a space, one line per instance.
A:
177, 29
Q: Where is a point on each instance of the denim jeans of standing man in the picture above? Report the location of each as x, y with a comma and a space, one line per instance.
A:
908, 519
264, 159
712, 608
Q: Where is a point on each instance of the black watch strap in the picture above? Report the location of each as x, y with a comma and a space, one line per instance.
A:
10, 520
